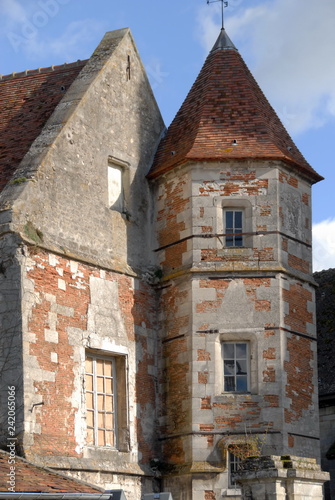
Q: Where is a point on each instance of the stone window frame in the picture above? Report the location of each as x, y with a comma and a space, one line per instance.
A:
244, 205
250, 336
231, 490
119, 205
121, 427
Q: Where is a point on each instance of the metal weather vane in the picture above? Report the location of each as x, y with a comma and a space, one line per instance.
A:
224, 4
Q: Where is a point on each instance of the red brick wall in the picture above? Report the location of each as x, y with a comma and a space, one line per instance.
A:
58, 285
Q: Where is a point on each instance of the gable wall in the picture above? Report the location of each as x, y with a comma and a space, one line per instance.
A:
68, 202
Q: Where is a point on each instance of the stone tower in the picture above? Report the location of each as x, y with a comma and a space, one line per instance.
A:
238, 337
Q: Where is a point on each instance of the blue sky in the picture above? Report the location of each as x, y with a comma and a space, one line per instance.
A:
288, 45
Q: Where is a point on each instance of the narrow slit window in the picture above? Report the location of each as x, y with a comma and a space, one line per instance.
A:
115, 187
234, 463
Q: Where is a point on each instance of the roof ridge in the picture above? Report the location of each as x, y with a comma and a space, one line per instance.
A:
49, 69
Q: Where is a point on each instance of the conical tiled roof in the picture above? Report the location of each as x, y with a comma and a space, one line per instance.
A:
226, 106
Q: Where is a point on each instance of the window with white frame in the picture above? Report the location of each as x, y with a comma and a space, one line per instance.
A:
233, 227
101, 401
115, 187
235, 366
118, 184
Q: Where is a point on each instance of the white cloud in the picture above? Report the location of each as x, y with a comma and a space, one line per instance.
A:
12, 12
68, 45
289, 46
24, 26
324, 245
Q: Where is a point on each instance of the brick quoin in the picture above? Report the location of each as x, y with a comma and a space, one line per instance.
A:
265, 211
289, 179
206, 403
305, 198
209, 495
272, 399
174, 204
203, 355
269, 353
269, 375
202, 377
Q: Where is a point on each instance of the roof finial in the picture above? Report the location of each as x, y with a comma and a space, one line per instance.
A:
224, 4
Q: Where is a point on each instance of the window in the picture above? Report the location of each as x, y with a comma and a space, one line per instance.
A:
118, 184
235, 366
115, 187
234, 228
101, 401
233, 466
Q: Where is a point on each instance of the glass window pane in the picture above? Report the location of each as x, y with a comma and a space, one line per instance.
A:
100, 384
90, 436
229, 367
89, 382
90, 418
100, 367
101, 420
109, 403
109, 438
241, 367
229, 241
229, 219
241, 351
108, 369
109, 386
100, 399
228, 350
238, 220
109, 421
241, 383
89, 400
229, 384
89, 365
101, 438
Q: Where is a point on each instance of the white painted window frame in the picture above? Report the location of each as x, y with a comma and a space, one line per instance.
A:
121, 166
242, 341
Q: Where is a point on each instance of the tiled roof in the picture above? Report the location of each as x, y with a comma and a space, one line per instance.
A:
225, 105
31, 478
27, 100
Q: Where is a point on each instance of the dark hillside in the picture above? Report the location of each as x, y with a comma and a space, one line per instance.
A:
325, 311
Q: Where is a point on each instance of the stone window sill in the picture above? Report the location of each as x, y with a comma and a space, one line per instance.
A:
231, 492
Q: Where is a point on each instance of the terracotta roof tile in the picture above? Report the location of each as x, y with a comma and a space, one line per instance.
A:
224, 105
27, 100
31, 478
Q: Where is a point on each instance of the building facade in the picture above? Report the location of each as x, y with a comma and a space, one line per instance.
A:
157, 299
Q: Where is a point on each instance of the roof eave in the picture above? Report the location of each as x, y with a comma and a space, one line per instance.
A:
312, 176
